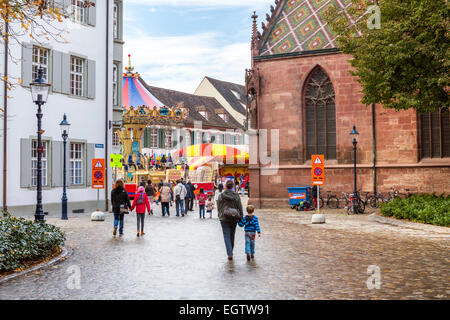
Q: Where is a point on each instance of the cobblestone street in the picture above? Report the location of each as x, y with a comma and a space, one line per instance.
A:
184, 258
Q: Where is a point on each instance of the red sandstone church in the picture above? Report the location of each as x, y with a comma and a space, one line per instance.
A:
300, 84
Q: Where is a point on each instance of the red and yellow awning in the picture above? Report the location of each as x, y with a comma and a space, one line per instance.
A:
214, 152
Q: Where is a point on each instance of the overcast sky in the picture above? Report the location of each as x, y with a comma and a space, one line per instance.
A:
175, 44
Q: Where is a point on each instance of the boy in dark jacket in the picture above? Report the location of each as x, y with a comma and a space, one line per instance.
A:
251, 227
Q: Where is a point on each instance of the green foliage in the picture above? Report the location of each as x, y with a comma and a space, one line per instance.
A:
405, 63
23, 241
430, 209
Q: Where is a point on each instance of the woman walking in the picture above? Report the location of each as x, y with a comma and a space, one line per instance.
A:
230, 213
140, 203
120, 204
165, 199
150, 191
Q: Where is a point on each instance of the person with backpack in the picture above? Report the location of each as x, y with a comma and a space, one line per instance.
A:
230, 213
180, 194
120, 205
140, 203
150, 191
202, 202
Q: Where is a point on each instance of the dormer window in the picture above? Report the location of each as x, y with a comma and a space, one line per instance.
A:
204, 114
225, 117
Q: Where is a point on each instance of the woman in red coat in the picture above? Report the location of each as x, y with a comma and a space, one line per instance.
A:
141, 203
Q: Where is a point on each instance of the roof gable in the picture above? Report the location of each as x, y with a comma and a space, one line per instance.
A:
300, 26
233, 93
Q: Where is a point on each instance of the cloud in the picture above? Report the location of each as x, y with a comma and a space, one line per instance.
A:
204, 3
181, 62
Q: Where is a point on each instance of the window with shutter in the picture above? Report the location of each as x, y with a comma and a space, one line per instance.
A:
320, 115
435, 134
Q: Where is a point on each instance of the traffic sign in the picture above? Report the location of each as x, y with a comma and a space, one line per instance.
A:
98, 173
318, 170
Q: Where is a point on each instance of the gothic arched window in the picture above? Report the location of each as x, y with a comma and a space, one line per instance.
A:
320, 115
435, 134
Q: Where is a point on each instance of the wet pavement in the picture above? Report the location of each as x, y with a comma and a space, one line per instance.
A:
185, 258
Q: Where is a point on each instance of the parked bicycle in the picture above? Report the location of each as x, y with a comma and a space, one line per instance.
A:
331, 201
356, 205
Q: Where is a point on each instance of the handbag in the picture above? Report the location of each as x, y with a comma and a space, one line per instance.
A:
124, 209
232, 214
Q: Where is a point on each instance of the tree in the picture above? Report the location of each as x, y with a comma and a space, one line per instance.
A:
405, 63
38, 19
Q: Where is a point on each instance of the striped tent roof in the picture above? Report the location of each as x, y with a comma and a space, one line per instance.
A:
134, 94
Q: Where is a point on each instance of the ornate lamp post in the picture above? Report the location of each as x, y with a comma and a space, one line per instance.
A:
355, 135
65, 126
39, 93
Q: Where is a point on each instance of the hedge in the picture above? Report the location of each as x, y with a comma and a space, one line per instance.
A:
22, 241
424, 208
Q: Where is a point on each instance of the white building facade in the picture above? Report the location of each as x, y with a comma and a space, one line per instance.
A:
81, 74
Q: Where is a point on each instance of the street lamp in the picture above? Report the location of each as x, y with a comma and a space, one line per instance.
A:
65, 126
355, 135
39, 92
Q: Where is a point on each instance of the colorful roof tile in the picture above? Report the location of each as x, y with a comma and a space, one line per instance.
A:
299, 26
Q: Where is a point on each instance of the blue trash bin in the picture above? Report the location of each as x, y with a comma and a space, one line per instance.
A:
297, 195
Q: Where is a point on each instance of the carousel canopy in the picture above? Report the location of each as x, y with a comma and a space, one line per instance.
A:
134, 93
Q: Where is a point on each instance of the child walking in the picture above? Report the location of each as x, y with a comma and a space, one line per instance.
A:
141, 203
251, 227
209, 206
201, 202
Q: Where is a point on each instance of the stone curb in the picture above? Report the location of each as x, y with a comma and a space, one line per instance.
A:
407, 224
66, 252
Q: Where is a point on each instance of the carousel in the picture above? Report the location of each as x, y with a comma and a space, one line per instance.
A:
143, 110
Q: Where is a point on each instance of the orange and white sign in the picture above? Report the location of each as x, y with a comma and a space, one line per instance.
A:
98, 173
318, 170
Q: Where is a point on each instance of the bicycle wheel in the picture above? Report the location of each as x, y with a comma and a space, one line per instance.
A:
360, 207
342, 202
349, 207
373, 202
321, 202
333, 202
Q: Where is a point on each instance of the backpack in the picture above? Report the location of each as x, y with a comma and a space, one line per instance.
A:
140, 199
229, 213
202, 198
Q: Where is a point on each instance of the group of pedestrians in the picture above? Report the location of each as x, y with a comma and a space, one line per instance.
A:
227, 202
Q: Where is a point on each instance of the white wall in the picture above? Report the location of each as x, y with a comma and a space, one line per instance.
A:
86, 116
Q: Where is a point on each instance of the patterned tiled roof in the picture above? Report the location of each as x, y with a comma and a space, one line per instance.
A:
300, 26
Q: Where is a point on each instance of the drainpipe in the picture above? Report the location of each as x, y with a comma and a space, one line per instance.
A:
374, 148
5, 123
107, 110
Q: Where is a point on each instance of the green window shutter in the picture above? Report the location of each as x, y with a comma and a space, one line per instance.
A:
65, 73
91, 79
92, 15
161, 138
25, 163
57, 164
90, 155
174, 139
56, 71
27, 56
